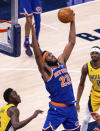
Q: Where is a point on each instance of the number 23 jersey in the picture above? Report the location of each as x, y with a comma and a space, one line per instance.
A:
60, 86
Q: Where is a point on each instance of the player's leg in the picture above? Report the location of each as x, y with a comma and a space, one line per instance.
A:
26, 4
92, 106
51, 123
27, 32
54, 118
71, 122
48, 126
37, 18
27, 43
36, 7
87, 116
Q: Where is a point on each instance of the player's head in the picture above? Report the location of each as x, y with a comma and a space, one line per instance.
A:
49, 58
11, 96
95, 53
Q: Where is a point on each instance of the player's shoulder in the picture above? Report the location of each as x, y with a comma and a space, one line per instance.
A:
85, 65
61, 60
12, 110
85, 68
61, 64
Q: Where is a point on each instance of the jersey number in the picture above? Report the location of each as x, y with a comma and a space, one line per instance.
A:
63, 80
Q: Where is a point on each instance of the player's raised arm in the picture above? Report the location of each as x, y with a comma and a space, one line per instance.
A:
72, 39
44, 69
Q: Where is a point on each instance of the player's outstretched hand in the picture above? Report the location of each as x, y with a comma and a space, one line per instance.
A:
37, 112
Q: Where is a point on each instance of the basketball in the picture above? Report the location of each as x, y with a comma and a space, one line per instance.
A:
65, 15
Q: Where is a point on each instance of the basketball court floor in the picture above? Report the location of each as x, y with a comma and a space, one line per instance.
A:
22, 73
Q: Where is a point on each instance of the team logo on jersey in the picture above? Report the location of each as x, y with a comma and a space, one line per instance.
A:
38, 9
77, 123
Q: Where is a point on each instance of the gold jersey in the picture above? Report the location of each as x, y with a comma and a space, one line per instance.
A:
5, 120
94, 76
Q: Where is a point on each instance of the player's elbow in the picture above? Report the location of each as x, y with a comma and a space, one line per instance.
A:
16, 126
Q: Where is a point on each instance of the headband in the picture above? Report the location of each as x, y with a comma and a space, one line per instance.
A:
44, 56
95, 50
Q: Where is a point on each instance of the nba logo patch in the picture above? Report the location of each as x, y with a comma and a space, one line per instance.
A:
38, 9
77, 123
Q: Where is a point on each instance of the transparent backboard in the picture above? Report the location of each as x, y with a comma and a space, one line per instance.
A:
9, 27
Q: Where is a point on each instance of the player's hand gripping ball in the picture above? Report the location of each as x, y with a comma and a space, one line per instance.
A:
65, 15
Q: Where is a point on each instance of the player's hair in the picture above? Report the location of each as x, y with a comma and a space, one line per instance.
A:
44, 55
96, 47
7, 94
43, 52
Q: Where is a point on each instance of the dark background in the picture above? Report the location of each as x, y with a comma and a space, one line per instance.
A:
47, 5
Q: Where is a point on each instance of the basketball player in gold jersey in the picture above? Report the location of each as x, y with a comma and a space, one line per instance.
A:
92, 69
9, 114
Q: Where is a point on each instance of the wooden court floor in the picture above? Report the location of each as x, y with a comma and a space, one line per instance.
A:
22, 73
